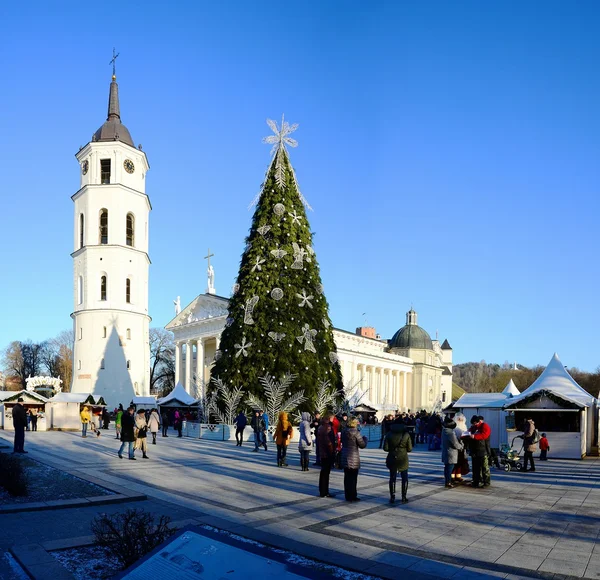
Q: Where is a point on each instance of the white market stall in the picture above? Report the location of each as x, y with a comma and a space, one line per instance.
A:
177, 398
31, 400
491, 407
64, 410
3, 395
559, 407
144, 403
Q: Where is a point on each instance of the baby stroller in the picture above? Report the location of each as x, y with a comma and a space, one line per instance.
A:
510, 457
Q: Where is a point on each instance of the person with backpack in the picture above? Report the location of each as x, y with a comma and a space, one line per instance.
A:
398, 444
531, 438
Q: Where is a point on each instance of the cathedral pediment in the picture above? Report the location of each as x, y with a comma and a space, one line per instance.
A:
202, 308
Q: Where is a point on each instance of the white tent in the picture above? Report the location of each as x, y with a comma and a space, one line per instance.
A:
491, 407
511, 389
63, 410
144, 402
561, 408
178, 397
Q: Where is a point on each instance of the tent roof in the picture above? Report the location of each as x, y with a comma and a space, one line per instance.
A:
511, 389
14, 395
477, 400
144, 400
556, 380
73, 398
178, 394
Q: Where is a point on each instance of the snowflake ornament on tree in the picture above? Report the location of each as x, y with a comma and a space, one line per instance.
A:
258, 264
296, 219
242, 349
305, 300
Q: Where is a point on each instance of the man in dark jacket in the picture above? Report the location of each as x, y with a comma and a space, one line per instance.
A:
480, 450
326, 448
240, 423
165, 423
127, 432
19, 416
315, 428
258, 426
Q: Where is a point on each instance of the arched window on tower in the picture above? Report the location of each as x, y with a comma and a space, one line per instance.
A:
81, 230
103, 287
130, 230
103, 226
128, 290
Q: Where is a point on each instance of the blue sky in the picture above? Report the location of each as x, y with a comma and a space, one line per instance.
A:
449, 150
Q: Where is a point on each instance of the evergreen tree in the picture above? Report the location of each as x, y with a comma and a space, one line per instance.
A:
278, 319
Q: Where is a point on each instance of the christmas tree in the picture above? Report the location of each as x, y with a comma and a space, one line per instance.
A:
278, 321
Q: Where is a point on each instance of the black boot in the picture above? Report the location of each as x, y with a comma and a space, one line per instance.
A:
404, 490
392, 492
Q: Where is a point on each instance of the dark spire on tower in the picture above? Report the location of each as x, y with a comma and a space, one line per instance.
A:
113, 129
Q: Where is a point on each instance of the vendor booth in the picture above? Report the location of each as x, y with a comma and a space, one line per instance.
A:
144, 403
178, 398
4, 395
491, 407
31, 401
64, 410
559, 407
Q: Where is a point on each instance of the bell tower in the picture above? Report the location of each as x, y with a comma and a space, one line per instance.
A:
111, 354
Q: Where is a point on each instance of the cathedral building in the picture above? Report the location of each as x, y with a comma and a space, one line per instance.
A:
111, 356
409, 372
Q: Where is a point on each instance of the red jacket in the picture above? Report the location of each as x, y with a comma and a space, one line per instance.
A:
544, 445
483, 432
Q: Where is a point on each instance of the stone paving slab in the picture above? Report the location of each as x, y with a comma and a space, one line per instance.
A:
509, 530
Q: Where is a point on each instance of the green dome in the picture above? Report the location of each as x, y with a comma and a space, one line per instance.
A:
411, 335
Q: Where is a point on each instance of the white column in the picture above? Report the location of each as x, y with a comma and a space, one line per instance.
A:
217, 342
177, 362
188, 366
404, 391
200, 367
372, 383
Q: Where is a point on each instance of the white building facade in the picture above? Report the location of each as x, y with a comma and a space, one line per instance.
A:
387, 379
111, 356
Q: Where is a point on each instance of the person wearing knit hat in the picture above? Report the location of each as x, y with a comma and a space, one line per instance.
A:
450, 448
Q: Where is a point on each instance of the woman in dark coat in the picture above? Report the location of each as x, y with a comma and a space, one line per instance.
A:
326, 449
450, 448
398, 444
352, 441
127, 432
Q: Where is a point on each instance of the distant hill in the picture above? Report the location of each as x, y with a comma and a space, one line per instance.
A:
485, 377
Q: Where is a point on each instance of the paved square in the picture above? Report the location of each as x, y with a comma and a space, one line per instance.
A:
542, 525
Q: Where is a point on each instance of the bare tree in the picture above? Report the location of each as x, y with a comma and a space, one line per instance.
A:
22, 359
57, 357
162, 361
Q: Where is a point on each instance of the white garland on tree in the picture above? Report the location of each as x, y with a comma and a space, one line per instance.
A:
275, 397
230, 396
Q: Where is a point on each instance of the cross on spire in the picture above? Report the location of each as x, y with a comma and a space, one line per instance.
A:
208, 257
113, 62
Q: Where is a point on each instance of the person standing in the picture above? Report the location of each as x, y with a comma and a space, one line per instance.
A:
127, 433
105, 418
316, 423
118, 417
544, 448
178, 422
154, 424
240, 423
165, 423
479, 444
34, 418
141, 433
462, 466
385, 426
305, 442
258, 426
19, 417
398, 444
265, 419
326, 448
282, 436
530, 444
451, 446
85, 419
352, 441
